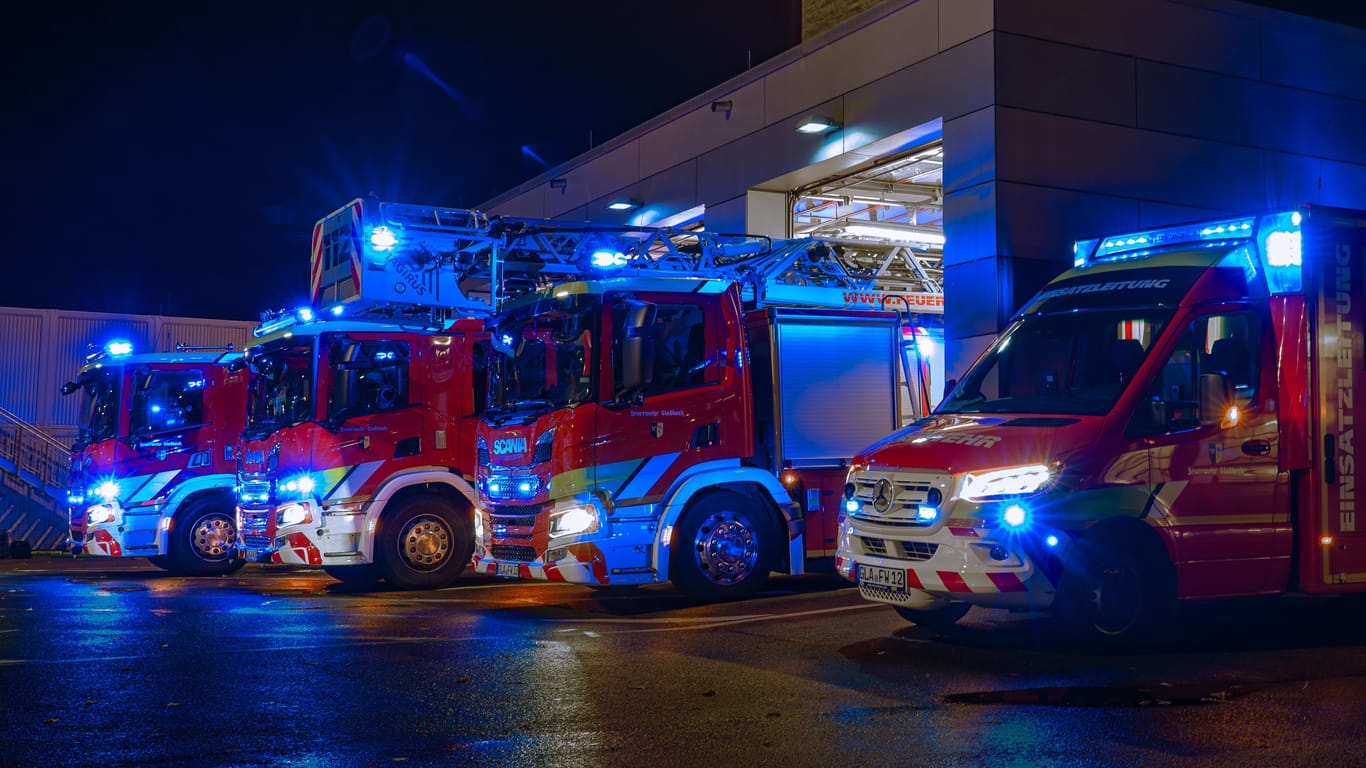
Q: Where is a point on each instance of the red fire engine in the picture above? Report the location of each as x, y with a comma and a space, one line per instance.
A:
689, 422
153, 469
1171, 419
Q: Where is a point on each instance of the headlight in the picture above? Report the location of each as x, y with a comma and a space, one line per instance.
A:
1011, 481
99, 514
574, 520
294, 514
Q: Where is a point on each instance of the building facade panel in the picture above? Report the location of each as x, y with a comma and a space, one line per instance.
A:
703, 129
1335, 67
21, 364
916, 94
962, 20
878, 46
1235, 111
1071, 154
1085, 83
1182, 33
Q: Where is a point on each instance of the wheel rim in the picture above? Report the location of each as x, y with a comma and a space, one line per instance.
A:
213, 537
426, 543
1116, 599
726, 548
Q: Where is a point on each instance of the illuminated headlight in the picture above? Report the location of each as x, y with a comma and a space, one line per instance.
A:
574, 520
108, 490
302, 485
294, 514
100, 514
1011, 481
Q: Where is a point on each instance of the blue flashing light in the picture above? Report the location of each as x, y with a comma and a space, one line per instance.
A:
606, 258
1280, 242
118, 348
383, 239
927, 514
1051, 540
303, 484
194, 384
108, 490
1138, 244
851, 506
304, 315
386, 355
1015, 516
337, 310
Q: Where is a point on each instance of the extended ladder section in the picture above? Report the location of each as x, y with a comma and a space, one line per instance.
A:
394, 259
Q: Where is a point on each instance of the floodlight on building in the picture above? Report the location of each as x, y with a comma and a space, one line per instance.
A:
623, 204
817, 124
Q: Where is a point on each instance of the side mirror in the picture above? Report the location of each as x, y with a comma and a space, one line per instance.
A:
1216, 397
70, 387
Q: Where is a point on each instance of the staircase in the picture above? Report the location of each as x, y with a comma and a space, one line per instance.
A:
34, 471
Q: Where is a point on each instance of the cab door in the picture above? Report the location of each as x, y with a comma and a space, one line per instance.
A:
1216, 487
669, 402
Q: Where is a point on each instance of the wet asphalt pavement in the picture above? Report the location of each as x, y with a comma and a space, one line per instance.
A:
113, 663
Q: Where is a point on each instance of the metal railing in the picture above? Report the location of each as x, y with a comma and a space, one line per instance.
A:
34, 471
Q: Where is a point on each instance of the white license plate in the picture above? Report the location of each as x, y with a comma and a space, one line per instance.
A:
888, 579
509, 569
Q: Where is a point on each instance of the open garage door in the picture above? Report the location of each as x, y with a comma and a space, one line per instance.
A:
888, 217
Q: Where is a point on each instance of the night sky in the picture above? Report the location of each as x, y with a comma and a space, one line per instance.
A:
171, 158
174, 162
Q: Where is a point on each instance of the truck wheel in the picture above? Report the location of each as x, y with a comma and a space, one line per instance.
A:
423, 544
942, 617
354, 575
723, 548
203, 536
1115, 596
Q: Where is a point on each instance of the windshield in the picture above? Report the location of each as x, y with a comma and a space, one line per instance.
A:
100, 416
366, 376
1075, 363
166, 400
280, 386
544, 355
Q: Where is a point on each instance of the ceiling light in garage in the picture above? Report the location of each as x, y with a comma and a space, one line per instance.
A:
893, 231
817, 125
623, 204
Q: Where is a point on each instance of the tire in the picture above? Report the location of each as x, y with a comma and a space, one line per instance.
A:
202, 538
423, 544
20, 550
354, 575
1115, 596
724, 548
942, 617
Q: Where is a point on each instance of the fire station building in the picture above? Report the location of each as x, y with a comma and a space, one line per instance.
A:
988, 135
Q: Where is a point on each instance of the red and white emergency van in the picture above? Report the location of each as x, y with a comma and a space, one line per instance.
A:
1171, 419
153, 469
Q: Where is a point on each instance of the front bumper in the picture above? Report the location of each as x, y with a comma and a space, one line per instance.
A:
322, 539
987, 568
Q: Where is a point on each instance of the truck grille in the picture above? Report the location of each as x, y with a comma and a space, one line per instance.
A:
513, 553
513, 521
255, 531
254, 491
903, 550
895, 498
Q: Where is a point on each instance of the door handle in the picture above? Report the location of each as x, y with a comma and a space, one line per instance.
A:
1257, 448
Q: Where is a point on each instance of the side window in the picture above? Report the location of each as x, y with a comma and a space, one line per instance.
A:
367, 377
166, 400
1226, 343
675, 349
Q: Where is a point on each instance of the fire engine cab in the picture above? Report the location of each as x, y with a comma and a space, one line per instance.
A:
685, 415
153, 468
